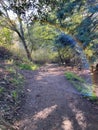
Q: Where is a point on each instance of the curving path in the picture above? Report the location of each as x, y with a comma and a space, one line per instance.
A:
53, 104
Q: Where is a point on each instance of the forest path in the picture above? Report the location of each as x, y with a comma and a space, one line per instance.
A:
53, 104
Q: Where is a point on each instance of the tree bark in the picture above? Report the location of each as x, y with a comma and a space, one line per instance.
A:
21, 35
26, 48
60, 57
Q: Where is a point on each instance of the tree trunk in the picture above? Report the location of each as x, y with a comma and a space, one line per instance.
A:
24, 45
21, 35
60, 57
26, 49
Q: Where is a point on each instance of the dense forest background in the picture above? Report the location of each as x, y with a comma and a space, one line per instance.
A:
40, 29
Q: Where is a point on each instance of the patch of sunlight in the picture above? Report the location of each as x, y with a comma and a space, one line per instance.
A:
67, 124
81, 119
44, 113
40, 115
79, 115
34, 67
38, 77
9, 61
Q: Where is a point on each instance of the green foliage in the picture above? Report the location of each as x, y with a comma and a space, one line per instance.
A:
73, 77
41, 36
15, 94
5, 36
76, 81
93, 97
85, 35
74, 17
44, 55
11, 91
93, 9
87, 90
77, 85
17, 80
11, 69
25, 66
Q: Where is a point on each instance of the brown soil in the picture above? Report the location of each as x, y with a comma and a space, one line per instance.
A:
53, 104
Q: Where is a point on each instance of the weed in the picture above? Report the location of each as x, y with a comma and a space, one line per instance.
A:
14, 95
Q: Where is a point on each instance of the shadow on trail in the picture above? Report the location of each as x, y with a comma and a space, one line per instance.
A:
53, 104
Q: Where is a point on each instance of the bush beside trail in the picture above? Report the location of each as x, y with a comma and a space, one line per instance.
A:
11, 88
5, 53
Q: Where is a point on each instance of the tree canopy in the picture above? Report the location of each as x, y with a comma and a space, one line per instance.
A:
74, 17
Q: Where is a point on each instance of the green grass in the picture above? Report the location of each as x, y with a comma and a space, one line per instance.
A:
93, 97
25, 66
73, 77
81, 85
77, 85
75, 80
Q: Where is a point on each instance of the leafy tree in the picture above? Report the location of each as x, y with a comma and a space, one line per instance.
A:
64, 43
62, 14
41, 36
87, 31
20, 9
65, 40
24, 12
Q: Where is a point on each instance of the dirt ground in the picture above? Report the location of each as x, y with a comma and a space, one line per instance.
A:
53, 104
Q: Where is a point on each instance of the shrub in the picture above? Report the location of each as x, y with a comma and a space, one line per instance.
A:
25, 66
5, 53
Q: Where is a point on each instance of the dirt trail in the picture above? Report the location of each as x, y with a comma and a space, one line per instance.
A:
53, 104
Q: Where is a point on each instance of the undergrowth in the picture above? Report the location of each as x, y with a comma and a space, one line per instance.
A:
11, 93
73, 77
80, 84
12, 85
25, 66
